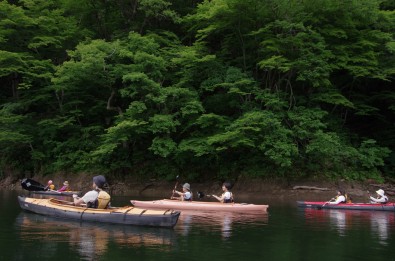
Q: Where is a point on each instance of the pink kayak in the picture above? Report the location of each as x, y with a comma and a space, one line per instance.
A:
199, 205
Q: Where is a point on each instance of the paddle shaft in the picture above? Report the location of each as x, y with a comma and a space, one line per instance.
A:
175, 187
323, 205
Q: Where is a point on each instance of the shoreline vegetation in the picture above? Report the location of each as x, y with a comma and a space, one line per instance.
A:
212, 89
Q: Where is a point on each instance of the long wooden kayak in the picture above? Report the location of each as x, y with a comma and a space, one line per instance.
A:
351, 206
128, 215
199, 205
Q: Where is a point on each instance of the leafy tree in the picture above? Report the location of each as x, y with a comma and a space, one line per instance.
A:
209, 89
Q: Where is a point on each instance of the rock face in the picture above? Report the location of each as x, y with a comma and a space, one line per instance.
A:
243, 190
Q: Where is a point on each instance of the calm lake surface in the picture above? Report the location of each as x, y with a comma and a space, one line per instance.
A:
285, 233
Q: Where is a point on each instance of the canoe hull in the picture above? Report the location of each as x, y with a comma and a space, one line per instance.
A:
126, 215
199, 206
349, 206
56, 193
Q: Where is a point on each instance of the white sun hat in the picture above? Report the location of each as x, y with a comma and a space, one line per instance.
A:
380, 192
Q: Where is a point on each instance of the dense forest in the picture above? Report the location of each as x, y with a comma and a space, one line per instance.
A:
209, 89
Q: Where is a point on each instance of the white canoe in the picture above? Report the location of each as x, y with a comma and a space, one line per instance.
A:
199, 205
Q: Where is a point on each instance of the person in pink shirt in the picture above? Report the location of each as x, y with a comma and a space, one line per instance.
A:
65, 187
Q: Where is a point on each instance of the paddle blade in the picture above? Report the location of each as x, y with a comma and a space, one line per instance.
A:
32, 185
200, 195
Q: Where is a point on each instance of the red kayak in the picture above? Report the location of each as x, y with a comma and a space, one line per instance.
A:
351, 206
199, 205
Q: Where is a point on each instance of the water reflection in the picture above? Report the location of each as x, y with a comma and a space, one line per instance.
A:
381, 223
338, 220
90, 240
223, 222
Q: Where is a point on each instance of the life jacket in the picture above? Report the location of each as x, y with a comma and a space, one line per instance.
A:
348, 199
50, 187
229, 200
101, 201
190, 198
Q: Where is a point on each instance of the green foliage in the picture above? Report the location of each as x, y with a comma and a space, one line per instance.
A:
163, 146
12, 128
371, 155
211, 89
163, 124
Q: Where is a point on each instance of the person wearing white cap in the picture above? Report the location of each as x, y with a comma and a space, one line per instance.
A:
381, 197
185, 195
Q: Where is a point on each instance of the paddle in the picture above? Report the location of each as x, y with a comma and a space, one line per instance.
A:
32, 185
369, 200
325, 204
175, 187
201, 195
319, 207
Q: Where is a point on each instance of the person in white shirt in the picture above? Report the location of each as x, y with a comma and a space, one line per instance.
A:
340, 198
227, 196
381, 197
91, 196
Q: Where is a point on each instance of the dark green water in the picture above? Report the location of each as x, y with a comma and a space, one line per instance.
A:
285, 233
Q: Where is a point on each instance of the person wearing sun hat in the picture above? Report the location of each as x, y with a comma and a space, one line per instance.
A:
65, 187
96, 198
381, 197
185, 195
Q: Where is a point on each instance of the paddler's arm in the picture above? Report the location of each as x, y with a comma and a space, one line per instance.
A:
338, 200
77, 201
218, 198
178, 193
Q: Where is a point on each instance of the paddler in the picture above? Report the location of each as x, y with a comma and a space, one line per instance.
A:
227, 196
185, 195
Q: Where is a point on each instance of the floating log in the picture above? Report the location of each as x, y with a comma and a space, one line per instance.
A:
309, 188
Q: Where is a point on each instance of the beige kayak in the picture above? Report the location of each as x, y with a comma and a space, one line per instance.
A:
129, 215
199, 205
